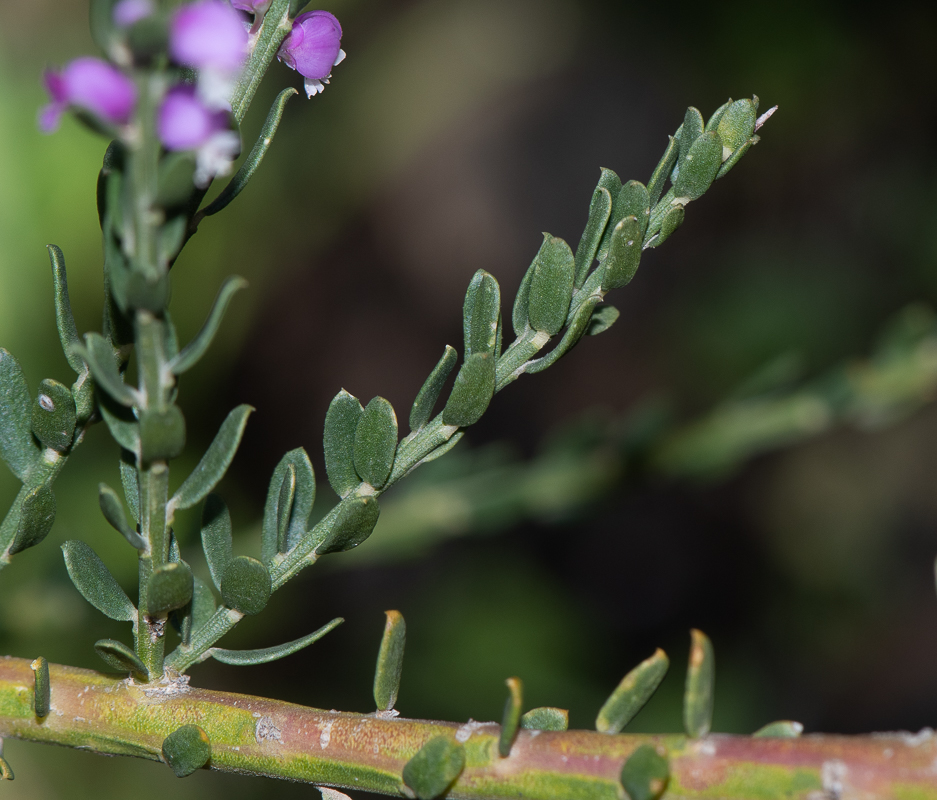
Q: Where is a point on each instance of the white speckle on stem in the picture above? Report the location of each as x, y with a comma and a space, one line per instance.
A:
464, 733
266, 731
325, 736
833, 776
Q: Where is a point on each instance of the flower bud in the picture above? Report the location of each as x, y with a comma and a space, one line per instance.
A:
92, 85
312, 48
208, 35
128, 12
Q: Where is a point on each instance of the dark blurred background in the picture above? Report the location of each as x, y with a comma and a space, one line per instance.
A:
455, 132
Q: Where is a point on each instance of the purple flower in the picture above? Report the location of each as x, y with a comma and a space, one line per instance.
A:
184, 122
127, 12
208, 35
312, 48
252, 6
92, 85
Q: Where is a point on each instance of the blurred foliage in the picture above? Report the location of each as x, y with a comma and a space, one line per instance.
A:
453, 134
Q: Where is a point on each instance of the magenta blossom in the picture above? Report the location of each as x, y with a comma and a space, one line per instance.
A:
312, 48
208, 35
128, 12
184, 122
92, 85
252, 6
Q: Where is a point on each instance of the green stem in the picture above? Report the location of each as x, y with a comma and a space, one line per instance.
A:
270, 738
274, 29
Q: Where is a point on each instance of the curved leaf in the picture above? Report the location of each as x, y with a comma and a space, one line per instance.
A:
120, 657
113, 511
300, 507
64, 319
390, 661
189, 356
216, 537
96, 583
632, 693
429, 393
17, 448
354, 523
341, 421
37, 513
99, 355
243, 658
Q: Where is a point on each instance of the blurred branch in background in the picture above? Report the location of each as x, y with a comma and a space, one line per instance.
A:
491, 489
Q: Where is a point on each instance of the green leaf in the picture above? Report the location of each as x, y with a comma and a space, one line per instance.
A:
632, 693
511, 716
546, 718
713, 122
64, 319
551, 287
203, 607
662, 171
171, 237
603, 317
215, 462
102, 23
575, 331
519, 313
434, 768
190, 355
285, 498
162, 434
6, 772
737, 125
186, 750
170, 587
41, 694
734, 159
354, 523
646, 773
252, 162
673, 219
472, 392
246, 585
216, 537
243, 658
443, 448
296, 514
390, 661
341, 421
96, 583
691, 129
17, 448
782, 729
113, 511
698, 696
100, 357
480, 314
600, 211
175, 179
429, 393
624, 254
37, 513
121, 658
121, 422
699, 169
376, 442
129, 481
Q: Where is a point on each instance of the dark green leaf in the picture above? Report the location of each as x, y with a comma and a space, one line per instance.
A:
256, 155
113, 511
699, 169
575, 331
737, 125
655, 185
102, 23
673, 219
121, 422
429, 393
129, 481
64, 320
216, 460
551, 287
246, 585
100, 357
96, 583
646, 773
41, 694
354, 523
434, 768
713, 122
341, 421
37, 513
519, 313
171, 237
691, 129
299, 509
203, 606
169, 587
472, 392
243, 658
285, 498
162, 434
546, 719
782, 729
390, 661
624, 254
175, 180
601, 320
631, 201
16, 442
734, 159
511, 717
480, 314
700, 676
121, 658
443, 448
186, 750
600, 210
632, 693
376, 442
190, 354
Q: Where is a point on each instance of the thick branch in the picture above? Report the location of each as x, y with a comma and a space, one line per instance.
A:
281, 740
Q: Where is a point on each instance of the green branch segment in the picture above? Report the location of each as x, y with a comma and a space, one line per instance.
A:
369, 751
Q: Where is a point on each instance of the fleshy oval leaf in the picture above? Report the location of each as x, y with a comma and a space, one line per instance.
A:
17, 448
296, 517
480, 313
646, 773
472, 392
600, 211
429, 393
95, 582
186, 750
36, 516
434, 768
42, 692
551, 287
246, 585
699, 169
53, 415
341, 421
546, 718
216, 537
390, 661
121, 658
354, 523
170, 587
624, 253
376, 442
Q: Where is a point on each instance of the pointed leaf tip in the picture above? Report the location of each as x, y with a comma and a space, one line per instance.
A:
511, 717
390, 661
700, 677
630, 696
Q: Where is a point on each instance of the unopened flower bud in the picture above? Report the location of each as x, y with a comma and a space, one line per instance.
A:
312, 48
128, 12
92, 85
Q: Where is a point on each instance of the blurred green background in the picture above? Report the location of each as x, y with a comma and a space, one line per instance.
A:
456, 132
